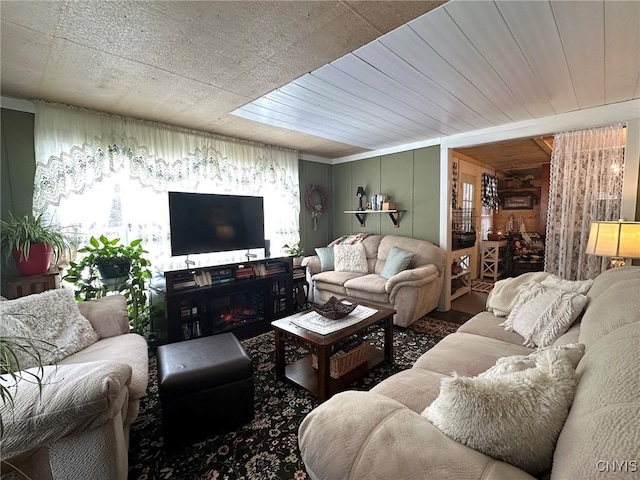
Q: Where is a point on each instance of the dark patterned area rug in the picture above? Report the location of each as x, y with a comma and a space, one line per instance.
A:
266, 448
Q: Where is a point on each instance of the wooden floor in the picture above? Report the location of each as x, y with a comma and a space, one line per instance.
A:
463, 308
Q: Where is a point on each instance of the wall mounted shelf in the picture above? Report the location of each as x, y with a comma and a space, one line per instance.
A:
361, 215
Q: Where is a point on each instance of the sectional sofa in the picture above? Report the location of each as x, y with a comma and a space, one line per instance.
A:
384, 434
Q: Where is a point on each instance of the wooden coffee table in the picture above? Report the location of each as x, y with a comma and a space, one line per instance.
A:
319, 381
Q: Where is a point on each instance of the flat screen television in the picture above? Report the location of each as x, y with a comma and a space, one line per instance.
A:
205, 222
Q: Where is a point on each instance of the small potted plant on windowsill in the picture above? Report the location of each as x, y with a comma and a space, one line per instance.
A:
296, 252
31, 244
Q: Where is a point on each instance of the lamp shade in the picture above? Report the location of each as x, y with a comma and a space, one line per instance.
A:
360, 192
614, 239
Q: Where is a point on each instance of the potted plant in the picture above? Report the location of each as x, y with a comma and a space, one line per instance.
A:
109, 265
10, 348
296, 252
32, 244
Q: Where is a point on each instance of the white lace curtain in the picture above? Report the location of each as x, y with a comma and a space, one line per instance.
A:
586, 186
106, 174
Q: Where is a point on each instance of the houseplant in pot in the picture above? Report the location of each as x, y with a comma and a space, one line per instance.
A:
32, 244
10, 349
109, 265
296, 252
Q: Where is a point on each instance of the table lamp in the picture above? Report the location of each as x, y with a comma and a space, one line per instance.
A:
618, 240
360, 194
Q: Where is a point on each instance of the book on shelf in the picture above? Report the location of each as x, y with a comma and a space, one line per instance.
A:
259, 269
244, 272
275, 267
202, 279
184, 284
182, 276
188, 311
221, 273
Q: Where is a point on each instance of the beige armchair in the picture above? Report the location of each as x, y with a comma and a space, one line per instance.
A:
72, 428
77, 425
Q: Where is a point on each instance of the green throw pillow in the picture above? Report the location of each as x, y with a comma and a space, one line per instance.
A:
326, 258
397, 261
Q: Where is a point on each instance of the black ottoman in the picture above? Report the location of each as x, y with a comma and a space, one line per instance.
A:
205, 387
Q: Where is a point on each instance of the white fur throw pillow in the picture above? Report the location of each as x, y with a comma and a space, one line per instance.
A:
513, 412
49, 324
542, 314
572, 351
350, 258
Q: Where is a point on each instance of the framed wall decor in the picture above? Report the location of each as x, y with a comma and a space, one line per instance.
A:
520, 201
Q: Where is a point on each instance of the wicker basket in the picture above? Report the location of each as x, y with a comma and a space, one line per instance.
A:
342, 363
461, 240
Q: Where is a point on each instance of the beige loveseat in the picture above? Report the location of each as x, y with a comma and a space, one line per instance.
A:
78, 425
381, 434
412, 293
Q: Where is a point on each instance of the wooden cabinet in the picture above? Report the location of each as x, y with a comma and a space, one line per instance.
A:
26, 285
242, 297
494, 259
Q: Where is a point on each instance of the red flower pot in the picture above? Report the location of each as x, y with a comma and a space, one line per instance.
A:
40, 255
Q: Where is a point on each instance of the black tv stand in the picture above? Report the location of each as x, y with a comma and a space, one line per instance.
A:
240, 297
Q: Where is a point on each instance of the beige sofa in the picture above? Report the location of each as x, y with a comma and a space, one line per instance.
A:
412, 293
380, 434
78, 425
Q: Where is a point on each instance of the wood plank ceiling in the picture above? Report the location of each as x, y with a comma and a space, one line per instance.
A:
513, 155
466, 66
281, 73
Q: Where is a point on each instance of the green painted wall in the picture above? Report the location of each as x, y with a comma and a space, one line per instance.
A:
314, 173
411, 179
18, 162
426, 194
396, 175
365, 173
343, 199
18, 168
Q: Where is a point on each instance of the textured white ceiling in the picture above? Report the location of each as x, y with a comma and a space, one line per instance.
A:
185, 63
285, 68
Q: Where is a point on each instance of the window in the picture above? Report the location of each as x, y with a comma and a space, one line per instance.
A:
110, 176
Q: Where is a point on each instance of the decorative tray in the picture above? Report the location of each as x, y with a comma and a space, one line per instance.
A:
334, 309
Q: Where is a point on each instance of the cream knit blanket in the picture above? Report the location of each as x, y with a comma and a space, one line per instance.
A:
503, 297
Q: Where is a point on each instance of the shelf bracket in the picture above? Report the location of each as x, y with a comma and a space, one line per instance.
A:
395, 218
394, 215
